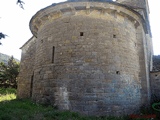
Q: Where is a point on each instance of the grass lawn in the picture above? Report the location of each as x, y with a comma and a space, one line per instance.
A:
7, 94
24, 109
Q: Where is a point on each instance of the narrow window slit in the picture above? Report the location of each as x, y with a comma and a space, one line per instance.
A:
31, 87
53, 53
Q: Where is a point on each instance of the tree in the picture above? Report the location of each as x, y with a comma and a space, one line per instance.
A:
2, 72
20, 3
2, 36
9, 72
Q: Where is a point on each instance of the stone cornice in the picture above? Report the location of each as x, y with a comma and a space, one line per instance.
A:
56, 11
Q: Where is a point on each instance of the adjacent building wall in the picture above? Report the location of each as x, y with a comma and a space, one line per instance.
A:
26, 69
155, 83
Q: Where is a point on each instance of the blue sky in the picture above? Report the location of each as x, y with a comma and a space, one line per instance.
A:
15, 23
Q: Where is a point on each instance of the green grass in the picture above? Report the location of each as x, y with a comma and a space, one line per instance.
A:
24, 109
7, 94
27, 110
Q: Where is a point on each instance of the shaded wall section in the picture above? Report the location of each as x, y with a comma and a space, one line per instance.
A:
155, 83
26, 69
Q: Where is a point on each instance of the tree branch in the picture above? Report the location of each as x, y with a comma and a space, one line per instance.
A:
20, 3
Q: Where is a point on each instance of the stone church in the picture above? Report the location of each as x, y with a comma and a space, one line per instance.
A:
89, 56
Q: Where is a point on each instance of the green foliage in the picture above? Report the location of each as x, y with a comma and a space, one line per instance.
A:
4, 91
7, 94
9, 73
7, 97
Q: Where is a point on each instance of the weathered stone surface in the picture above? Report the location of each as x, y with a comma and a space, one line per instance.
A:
93, 60
155, 84
26, 69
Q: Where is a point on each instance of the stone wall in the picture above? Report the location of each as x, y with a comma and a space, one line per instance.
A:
142, 7
89, 57
134, 3
145, 43
26, 69
143, 73
155, 83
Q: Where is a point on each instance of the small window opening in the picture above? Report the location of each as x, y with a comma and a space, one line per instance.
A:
81, 34
114, 36
156, 75
53, 53
41, 41
118, 72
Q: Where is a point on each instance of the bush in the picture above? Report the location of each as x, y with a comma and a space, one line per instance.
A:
9, 73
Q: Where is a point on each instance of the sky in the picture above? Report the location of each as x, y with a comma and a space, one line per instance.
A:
14, 22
